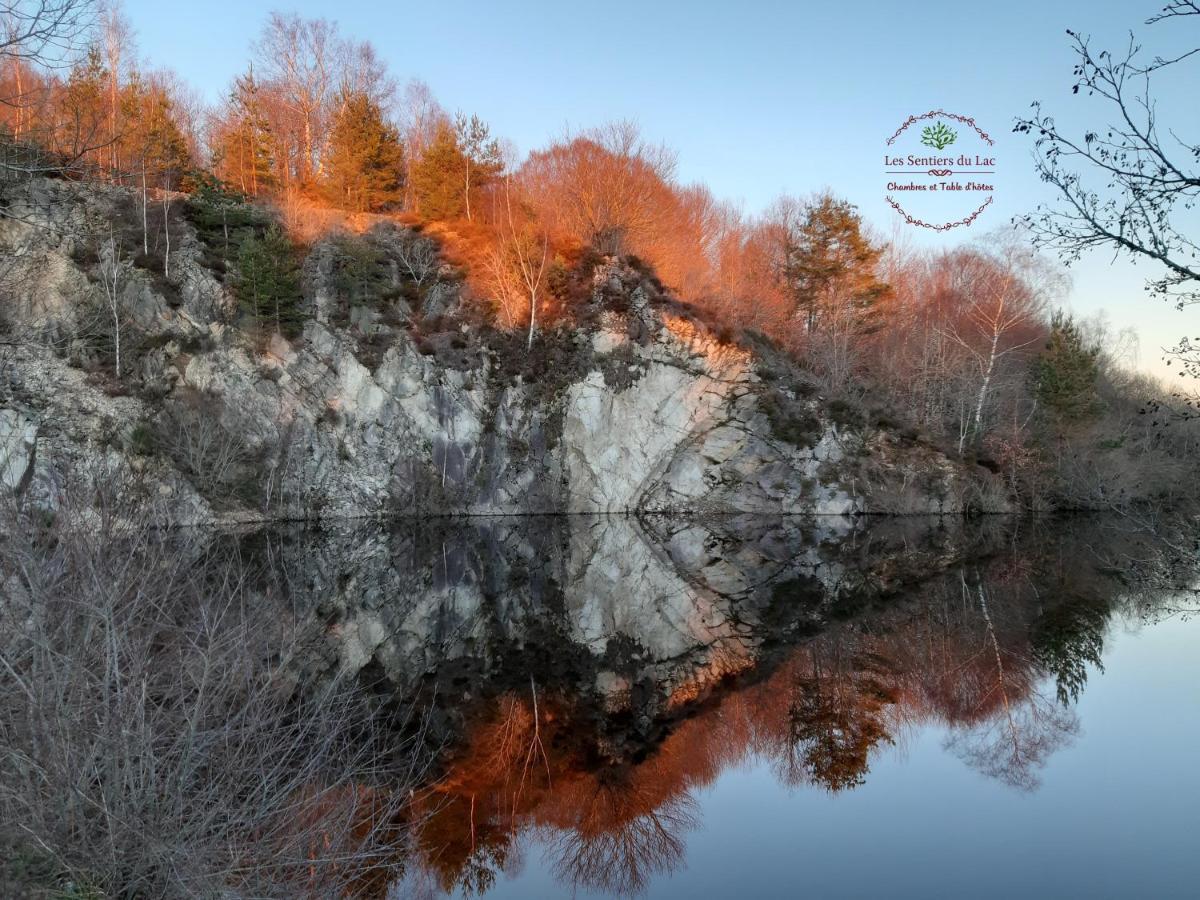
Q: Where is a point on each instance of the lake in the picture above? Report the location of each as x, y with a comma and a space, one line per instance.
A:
618, 706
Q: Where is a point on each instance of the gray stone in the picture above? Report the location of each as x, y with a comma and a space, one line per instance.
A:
18, 440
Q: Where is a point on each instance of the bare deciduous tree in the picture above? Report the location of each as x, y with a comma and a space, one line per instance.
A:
603, 187
214, 456
111, 273
420, 117
46, 35
1000, 319
300, 57
45, 32
116, 38
153, 738
1127, 186
417, 255
518, 261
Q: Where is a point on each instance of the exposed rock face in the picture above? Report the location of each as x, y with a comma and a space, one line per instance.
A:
644, 409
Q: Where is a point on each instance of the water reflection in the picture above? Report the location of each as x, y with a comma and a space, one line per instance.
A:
584, 677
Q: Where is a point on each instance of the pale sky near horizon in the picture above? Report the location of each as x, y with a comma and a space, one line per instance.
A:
758, 98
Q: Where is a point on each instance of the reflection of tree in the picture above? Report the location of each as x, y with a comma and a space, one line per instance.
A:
610, 828
463, 850
620, 858
835, 719
1066, 640
477, 873
1012, 746
469, 836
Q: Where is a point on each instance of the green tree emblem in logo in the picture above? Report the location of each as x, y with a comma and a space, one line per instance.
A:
938, 136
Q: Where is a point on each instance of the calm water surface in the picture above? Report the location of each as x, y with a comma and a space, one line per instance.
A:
1116, 813
749, 708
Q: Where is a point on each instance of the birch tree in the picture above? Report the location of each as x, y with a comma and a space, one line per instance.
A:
481, 158
299, 56
116, 40
159, 147
110, 281
1003, 293
519, 260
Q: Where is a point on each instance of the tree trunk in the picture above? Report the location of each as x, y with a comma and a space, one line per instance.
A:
532, 318
145, 217
112, 99
167, 232
113, 293
467, 187
308, 147
20, 97
116, 332
983, 388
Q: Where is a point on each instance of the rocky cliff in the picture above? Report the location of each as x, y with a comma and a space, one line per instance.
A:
396, 398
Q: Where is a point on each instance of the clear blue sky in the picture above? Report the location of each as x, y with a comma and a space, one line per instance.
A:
757, 97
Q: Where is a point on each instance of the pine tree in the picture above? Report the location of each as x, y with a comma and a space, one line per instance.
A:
365, 169
830, 265
438, 177
82, 109
242, 155
482, 160
268, 283
222, 215
154, 141
165, 145
1065, 373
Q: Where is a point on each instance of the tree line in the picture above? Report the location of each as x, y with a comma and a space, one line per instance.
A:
965, 344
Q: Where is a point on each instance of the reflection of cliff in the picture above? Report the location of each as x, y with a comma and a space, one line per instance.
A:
587, 674
641, 616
